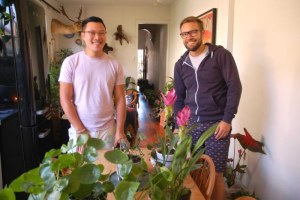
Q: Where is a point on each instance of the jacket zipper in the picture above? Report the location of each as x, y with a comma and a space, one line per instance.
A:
185, 62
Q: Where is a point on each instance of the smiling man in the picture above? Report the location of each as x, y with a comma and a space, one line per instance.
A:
206, 79
92, 88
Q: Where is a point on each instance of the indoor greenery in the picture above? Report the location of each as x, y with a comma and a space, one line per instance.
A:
65, 174
235, 170
55, 66
132, 171
5, 18
167, 182
159, 106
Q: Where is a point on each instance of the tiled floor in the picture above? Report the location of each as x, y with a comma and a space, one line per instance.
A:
149, 127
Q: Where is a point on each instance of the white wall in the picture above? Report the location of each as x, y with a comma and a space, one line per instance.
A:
265, 45
185, 8
127, 16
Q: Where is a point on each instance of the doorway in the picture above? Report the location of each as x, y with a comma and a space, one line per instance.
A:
152, 51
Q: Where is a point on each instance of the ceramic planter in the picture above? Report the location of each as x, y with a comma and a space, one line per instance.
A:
164, 159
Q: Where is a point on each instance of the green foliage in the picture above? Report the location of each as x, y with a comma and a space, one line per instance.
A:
7, 193
158, 104
130, 171
5, 18
167, 183
168, 85
63, 174
130, 82
55, 66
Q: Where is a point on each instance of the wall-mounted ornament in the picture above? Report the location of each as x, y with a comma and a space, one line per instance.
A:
119, 35
107, 48
58, 27
78, 42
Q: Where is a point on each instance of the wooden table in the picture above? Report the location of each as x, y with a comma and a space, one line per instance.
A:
110, 167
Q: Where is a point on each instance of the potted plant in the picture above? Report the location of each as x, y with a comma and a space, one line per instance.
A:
167, 182
55, 65
159, 108
131, 170
234, 171
166, 145
64, 175
59, 124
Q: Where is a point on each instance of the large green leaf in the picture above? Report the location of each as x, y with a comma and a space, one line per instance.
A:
96, 143
7, 194
84, 190
63, 161
181, 153
157, 193
30, 182
52, 153
125, 168
78, 160
126, 190
90, 154
88, 174
167, 173
209, 132
61, 184
162, 179
82, 139
73, 184
108, 186
116, 156
47, 175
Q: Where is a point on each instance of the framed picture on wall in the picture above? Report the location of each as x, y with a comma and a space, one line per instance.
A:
209, 19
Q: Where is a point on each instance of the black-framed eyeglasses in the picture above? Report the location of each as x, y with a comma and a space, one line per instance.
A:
191, 33
93, 33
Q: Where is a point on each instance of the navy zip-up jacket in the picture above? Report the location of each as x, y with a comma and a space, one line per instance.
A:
212, 91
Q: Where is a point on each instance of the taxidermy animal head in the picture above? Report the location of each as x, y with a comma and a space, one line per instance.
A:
58, 27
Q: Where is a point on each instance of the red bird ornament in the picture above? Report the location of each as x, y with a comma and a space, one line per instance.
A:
247, 142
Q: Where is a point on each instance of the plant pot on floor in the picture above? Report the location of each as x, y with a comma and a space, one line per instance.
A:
165, 160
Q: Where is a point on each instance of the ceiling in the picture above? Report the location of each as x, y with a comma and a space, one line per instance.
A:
123, 2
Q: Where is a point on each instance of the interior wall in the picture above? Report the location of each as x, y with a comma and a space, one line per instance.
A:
266, 46
184, 8
264, 41
156, 54
127, 16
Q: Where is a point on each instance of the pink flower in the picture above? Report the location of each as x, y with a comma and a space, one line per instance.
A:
170, 97
183, 116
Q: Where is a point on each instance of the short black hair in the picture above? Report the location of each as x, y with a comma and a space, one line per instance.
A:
92, 19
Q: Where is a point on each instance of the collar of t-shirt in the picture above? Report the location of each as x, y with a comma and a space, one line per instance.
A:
198, 59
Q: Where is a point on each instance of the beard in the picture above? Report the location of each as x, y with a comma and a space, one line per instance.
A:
195, 47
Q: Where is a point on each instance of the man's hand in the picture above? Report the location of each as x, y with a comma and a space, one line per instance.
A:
175, 132
222, 130
121, 139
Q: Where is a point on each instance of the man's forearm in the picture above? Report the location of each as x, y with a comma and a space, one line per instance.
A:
120, 118
72, 115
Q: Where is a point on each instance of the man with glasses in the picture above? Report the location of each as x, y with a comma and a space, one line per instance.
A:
207, 80
92, 88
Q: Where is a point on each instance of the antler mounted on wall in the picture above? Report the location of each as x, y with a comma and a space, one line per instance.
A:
58, 27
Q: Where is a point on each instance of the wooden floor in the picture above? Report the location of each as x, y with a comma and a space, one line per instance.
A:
149, 127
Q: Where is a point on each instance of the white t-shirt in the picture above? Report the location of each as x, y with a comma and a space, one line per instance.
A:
93, 80
198, 59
